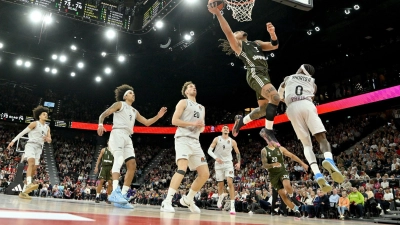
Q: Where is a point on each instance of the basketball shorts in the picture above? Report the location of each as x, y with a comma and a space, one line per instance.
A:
120, 142
304, 118
257, 78
222, 171
277, 178
190, 149
105, 172
33, 151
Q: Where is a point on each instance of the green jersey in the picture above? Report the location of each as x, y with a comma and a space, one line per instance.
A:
274, 156
252, 55
107, 159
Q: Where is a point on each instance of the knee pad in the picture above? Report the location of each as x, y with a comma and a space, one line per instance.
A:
181, 172
270, 111
118, 161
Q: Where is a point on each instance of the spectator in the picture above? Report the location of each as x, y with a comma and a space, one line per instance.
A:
344, 204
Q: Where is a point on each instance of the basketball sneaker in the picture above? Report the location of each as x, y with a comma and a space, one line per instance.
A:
269, 136
167, 207
233, 211
123, 206
335, 173
296, 211
31, 187
190, 204
116, 197
220, 199
24, 196
238, 124
323, 184
97, 200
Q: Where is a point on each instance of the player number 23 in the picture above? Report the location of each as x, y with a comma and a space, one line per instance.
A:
274, 159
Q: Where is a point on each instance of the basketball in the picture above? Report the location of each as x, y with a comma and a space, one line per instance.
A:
220, 4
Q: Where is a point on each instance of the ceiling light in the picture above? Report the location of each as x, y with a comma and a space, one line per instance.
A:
72, 74
53, 71
191, 33
107, 70
1, 45
98, 79
80, 65
73, 47
187, 37
232, 64
317, 29
121, 58
139, 41
389, 29
47, 19
103, 54
356, 7
309, 32
19, 62
63, 58
47, 69
54, 57
35, 16
347, 11
159, 24
272, 55
110, 34
27, 64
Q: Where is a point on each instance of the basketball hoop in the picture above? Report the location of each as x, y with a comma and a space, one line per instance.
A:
241, 9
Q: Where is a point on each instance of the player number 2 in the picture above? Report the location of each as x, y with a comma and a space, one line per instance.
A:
285, 176
196, 114
274, 159
299, 90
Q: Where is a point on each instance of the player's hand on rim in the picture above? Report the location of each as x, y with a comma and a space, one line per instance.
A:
101, 130
162, 111
270, 27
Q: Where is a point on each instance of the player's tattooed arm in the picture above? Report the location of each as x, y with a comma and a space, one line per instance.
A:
115, 107
264, 159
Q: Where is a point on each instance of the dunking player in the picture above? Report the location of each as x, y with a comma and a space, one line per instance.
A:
189, 118
38, 132
251, 53
298, 91
106, 158
272, 159
120, 142
223, 164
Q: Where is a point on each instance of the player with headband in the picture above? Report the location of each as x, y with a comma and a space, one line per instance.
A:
298, 92
120, 141
252, 55
38, 132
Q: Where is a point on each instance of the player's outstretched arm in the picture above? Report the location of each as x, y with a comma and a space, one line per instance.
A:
148, 122
115, 107
225, 28
30, 127
273, 44
176, 121
293, 157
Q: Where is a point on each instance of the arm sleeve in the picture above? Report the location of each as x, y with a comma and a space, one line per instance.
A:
211, 153
25, 131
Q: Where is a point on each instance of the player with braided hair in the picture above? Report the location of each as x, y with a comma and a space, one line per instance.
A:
120, 141
298, 93
38, 132
252, 55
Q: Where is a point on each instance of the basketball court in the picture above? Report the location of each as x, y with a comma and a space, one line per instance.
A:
49, 211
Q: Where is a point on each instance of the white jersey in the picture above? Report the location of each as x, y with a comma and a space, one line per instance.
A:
125, 118
36, 135
192, 112
299, 87
223, 149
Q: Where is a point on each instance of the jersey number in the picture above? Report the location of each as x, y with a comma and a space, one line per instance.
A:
196, 114
274, 159
299, 90
285, 177
256, 49
130, 117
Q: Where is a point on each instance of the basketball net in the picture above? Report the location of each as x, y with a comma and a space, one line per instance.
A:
241, 9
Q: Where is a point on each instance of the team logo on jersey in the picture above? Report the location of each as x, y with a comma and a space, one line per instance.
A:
229, 141
200, 108
278, 153
203, 159
230, 172
269, 153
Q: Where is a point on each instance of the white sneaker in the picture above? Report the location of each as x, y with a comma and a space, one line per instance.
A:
250, 212
388, 210
167, 207
221, 197
190, 204
378, 206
